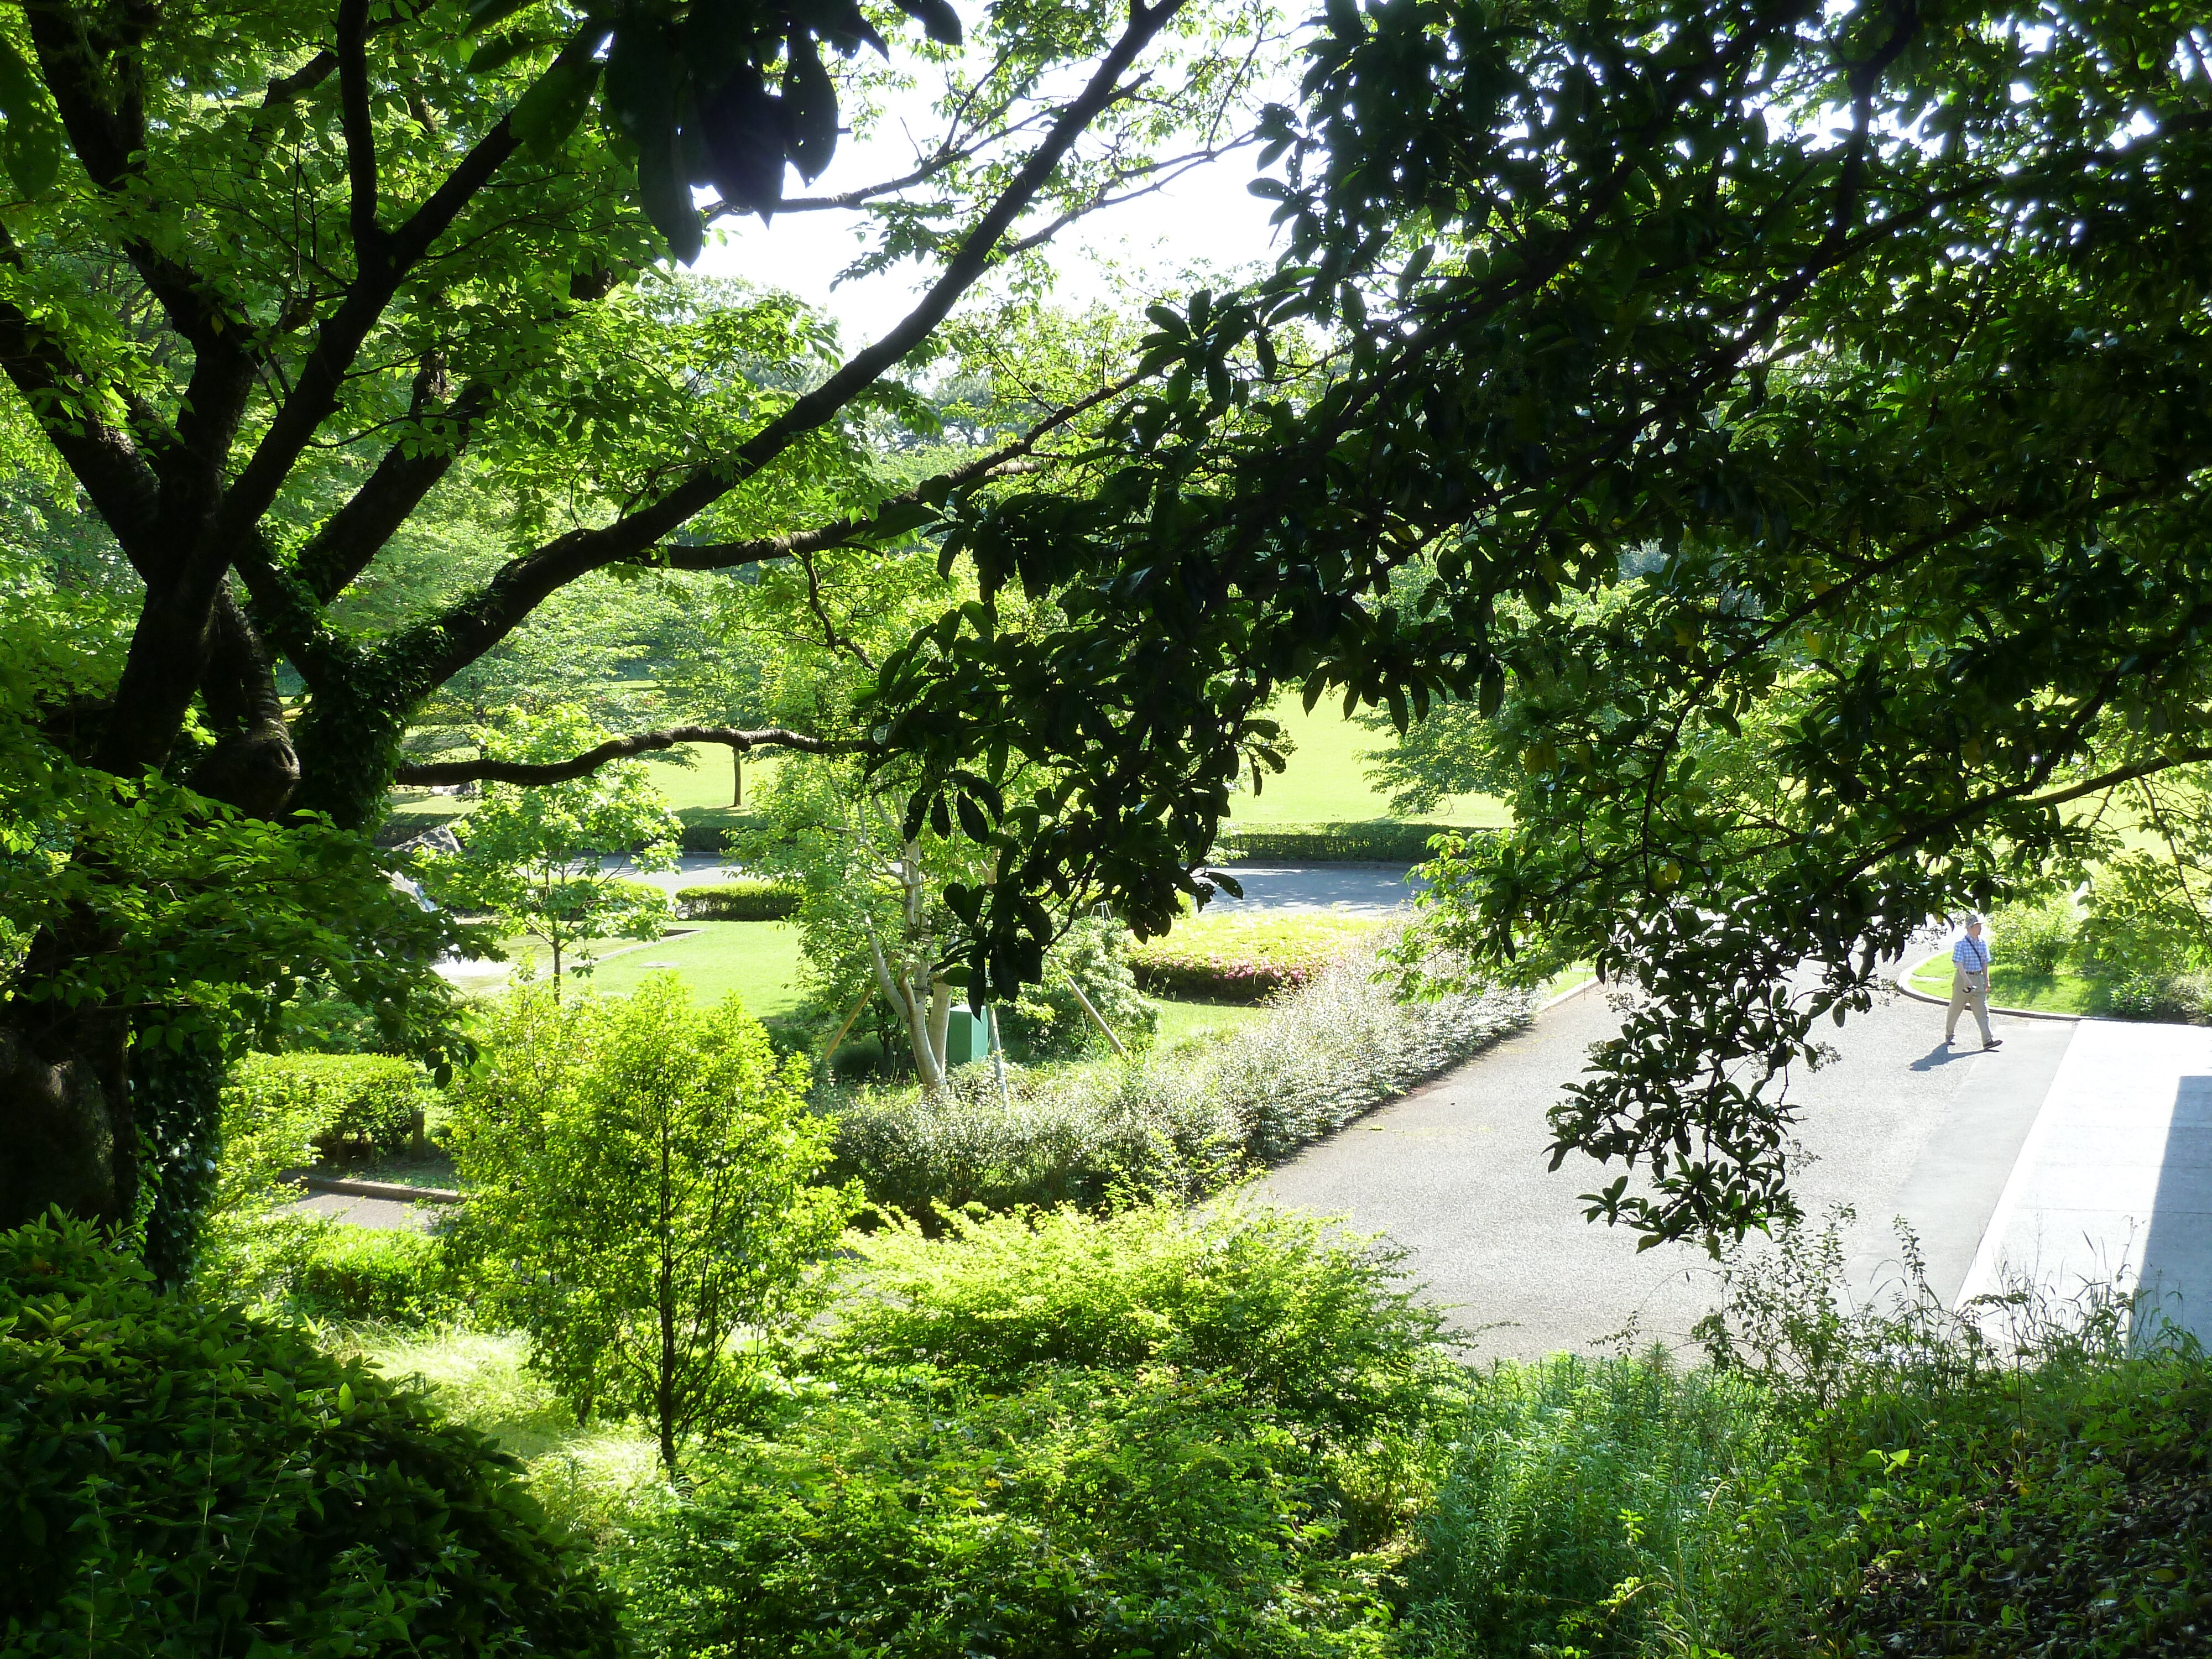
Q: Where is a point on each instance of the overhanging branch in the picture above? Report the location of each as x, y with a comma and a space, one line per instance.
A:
438, 773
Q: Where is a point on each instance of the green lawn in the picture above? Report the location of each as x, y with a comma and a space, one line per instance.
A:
1325, 781
758, 960
1196, 1022
2016, 987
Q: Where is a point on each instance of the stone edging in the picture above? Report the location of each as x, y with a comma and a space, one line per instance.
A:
1902, 982
391, 1189
1589, 984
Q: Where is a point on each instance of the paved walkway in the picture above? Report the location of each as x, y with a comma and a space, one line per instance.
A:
2115, 1182
2041, 1156
1361, 890
382, 1214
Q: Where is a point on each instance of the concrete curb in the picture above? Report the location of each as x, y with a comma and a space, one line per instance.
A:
1905, 976
1589, 984
386, 1190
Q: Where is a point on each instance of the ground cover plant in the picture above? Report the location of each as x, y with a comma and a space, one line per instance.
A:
179, 1477
1180, 1120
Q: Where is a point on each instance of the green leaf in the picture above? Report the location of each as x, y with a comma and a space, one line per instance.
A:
939, 21
640, 95
485, 12
504, 49
21, 92
33, 154
546, 115
666, 197
809, 108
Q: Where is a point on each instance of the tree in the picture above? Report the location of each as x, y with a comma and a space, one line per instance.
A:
642, 1200
268, 289
529, 858
1777, 429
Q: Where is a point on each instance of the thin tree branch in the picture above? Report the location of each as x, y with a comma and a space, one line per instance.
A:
438, 773
339, 341
474, 626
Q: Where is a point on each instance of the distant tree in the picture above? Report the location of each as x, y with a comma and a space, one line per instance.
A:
643, 1199
529, 858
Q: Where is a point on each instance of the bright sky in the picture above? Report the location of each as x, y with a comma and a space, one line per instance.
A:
1206, 220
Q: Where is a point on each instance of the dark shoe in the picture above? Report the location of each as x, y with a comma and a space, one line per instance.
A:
1994, 1042
1947, 1041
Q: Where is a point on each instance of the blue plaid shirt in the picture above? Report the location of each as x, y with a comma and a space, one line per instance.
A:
1970, 956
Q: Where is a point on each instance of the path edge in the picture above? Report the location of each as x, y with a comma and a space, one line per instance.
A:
1902, 982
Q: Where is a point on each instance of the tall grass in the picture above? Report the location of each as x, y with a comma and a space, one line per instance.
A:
1576, 1495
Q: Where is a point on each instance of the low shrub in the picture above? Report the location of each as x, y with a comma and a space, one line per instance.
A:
1241, 957
1379, 841
2179, 998
370, 1275
1055, 1436
1180, 1123
2040, 937
1342, 1045
1574, 1490
346, 1102
1320, 1325
738, 900
1089, 1514
1069, 1135
177, 1476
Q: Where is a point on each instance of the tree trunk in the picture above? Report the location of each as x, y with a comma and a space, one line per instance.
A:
737, 772
65, 1103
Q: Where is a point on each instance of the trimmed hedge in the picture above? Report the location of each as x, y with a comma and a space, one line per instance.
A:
1237, 957
360, 1101
738, 900
365, 1275
177, 1476
1378, 841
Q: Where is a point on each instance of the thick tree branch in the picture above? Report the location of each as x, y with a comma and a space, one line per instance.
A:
441, 773
114, 474
339, 340
359, 135
351, 536
104, 115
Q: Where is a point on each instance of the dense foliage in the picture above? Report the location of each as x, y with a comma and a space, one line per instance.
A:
331, 1104
1779, 429
1054, 1435
642, 1200
339, 341
738, 900
1382, 841
178, 1477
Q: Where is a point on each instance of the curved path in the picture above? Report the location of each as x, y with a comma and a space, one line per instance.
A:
1896, 1126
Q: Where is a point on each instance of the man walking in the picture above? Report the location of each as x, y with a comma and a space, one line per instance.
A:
1970, 984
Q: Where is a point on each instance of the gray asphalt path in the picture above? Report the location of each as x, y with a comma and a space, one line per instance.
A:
1364, 889
382, 1214
1456, 1173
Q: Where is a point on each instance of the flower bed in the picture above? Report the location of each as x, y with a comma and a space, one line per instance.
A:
1245, 958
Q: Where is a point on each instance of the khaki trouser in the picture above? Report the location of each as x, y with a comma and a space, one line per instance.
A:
1968, 991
